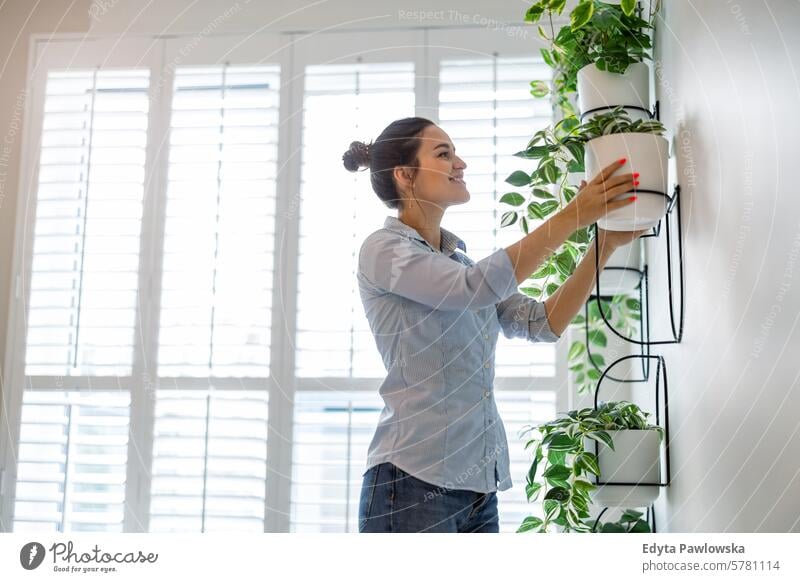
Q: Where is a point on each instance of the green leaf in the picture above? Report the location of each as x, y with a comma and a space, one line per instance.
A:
575, 350
593, 374
565, 263
543, 194
599, 360
582, 485
588, 461
519, 179
557, 458
561, 442
539, 89
512, 198
612, 528
533, 152
550, 172
640, 526
560, 494
529, 523
581, 14
601, 436
532, 489
551, 288
551, 508
547, 58
508, 218
534, 292
532, 470
628, 6
630, 516
598, 338
534, 13
524, 224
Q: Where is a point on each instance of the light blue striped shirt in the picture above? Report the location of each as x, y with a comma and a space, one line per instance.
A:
435, 315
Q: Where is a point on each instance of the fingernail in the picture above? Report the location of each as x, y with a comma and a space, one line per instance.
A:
632, 198
623, 160
636, 183
636, 174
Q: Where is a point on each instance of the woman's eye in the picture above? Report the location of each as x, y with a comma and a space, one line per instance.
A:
444, 154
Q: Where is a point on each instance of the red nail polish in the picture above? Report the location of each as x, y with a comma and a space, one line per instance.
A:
632, 198
622, 161
636, 174
636, 183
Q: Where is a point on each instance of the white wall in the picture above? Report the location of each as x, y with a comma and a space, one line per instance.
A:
729, 89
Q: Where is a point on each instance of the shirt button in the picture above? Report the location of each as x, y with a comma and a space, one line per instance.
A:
486, 336
486, 365
486, 394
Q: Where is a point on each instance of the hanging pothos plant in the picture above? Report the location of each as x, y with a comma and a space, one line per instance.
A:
610, 36
562, 467
559, 153
585, 363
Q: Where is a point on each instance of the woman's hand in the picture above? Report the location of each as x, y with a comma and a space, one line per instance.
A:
611, 240
596, 199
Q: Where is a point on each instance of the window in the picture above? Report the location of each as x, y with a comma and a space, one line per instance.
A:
186, 284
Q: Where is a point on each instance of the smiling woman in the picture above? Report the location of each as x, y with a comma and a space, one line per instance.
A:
440, 452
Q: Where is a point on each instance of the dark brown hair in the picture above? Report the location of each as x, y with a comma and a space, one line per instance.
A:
396, 146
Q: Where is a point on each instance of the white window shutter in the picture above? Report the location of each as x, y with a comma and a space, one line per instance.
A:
218, 244
71, 467
209, 461
83, 287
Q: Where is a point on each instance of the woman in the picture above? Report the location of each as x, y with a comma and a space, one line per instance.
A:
440, 453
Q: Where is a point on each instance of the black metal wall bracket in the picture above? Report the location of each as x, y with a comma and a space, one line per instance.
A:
654, 114
661, 380
677, 327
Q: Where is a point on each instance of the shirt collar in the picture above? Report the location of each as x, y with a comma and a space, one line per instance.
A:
449, 240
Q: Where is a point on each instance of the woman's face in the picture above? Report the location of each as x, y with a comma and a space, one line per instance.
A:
440, 177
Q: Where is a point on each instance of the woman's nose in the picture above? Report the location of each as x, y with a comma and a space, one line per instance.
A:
461, 163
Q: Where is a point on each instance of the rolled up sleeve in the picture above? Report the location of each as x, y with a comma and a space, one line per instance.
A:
398, 265
524, 317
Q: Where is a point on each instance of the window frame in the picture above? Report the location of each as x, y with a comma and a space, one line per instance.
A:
425, 47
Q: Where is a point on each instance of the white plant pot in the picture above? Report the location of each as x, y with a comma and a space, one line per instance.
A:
647, 154
636, 458
598, 88
620, 276
574, 178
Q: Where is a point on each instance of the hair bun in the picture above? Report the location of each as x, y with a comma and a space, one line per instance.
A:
356, 157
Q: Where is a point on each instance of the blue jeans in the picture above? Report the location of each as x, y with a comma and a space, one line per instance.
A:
395, 501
